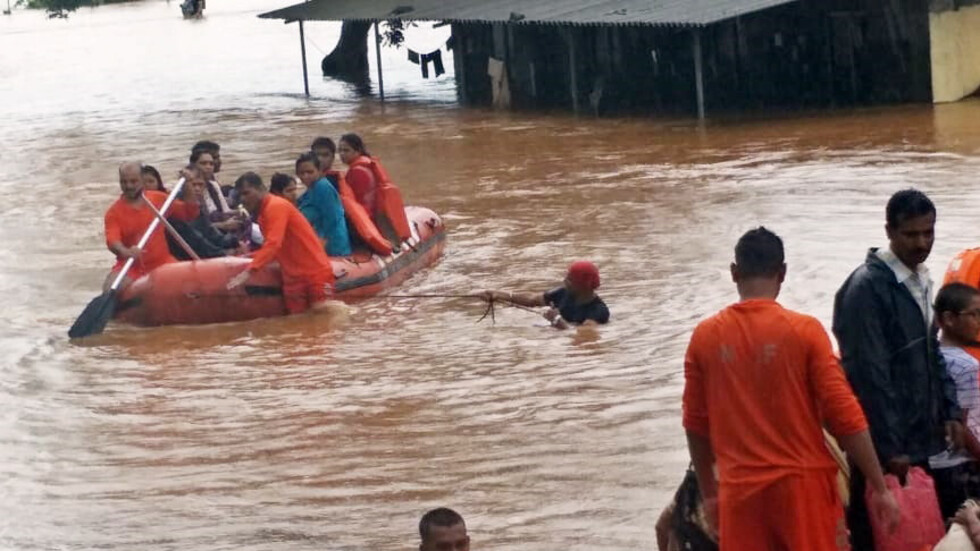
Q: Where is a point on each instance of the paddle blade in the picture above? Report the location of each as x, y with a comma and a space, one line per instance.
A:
95, 316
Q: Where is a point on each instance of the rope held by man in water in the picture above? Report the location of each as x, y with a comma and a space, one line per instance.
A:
490, 311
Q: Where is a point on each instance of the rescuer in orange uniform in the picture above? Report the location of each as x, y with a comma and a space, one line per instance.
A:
290, 240
761, 381
128, 219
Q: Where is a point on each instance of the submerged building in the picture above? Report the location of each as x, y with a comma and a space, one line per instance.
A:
692, 56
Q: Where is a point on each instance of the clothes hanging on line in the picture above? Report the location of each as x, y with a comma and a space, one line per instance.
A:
436, 59
424, 59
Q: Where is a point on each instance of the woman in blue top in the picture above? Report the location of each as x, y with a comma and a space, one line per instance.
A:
322, 207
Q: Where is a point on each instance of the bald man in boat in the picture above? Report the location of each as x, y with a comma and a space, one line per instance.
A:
128, 219
307, 276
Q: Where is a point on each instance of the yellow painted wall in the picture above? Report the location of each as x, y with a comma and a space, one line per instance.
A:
955, 38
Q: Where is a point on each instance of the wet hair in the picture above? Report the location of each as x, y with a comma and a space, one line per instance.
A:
759, 253
251, 180
279, 182
206, 145
147, 169
954, 297
442, 516
356, 143
196, 155
906, 204
322, 142
308, 157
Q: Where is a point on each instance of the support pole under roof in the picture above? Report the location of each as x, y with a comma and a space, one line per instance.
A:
377, 48
698, 70
302, 49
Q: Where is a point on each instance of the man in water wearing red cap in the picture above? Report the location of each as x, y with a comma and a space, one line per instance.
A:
573, 303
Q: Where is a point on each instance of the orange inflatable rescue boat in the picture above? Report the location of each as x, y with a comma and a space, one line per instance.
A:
192, 293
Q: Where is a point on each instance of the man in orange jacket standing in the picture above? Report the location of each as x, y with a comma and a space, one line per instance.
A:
761, 381
290, 240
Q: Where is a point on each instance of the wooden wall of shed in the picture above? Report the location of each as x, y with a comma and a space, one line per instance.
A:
812, 53
473, 45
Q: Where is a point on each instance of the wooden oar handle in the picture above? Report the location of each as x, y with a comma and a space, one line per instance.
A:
173, 231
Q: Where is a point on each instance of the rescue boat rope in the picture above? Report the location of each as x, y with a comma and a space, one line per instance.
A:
490, 311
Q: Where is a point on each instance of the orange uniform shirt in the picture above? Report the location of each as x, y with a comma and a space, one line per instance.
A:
126, 223
760, 383
290, 239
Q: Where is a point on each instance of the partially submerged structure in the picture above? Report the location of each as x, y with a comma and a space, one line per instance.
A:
693, 56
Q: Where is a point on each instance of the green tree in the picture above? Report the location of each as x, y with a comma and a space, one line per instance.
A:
56, 8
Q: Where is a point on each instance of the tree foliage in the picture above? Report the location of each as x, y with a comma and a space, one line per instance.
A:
394, 32
59, 9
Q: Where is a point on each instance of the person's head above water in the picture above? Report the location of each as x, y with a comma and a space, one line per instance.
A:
910, 224
325, 150
443, 529
212, 148
251, 191
308, 169
284, 186
131, 180
760, 264
351, 147
582, 279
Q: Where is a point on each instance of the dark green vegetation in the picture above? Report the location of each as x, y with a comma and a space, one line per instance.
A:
61, 8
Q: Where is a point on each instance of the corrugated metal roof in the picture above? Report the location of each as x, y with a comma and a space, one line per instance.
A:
576, 12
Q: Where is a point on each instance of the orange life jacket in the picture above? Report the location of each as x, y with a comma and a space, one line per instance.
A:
358, 216
388, 198
965, 268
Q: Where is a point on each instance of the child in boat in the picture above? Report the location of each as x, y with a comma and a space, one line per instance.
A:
575, 302
956, 473
322, 207
284, 186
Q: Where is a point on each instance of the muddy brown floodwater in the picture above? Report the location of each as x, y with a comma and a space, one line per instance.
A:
288, 434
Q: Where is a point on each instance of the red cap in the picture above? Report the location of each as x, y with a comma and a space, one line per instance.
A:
584, 274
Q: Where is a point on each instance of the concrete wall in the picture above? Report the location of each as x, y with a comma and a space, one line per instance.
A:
955, 38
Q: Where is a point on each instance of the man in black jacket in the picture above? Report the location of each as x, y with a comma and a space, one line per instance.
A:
884, 326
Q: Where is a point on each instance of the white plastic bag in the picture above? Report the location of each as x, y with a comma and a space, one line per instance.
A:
955, 540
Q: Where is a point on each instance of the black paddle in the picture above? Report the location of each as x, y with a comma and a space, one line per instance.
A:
97, 314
